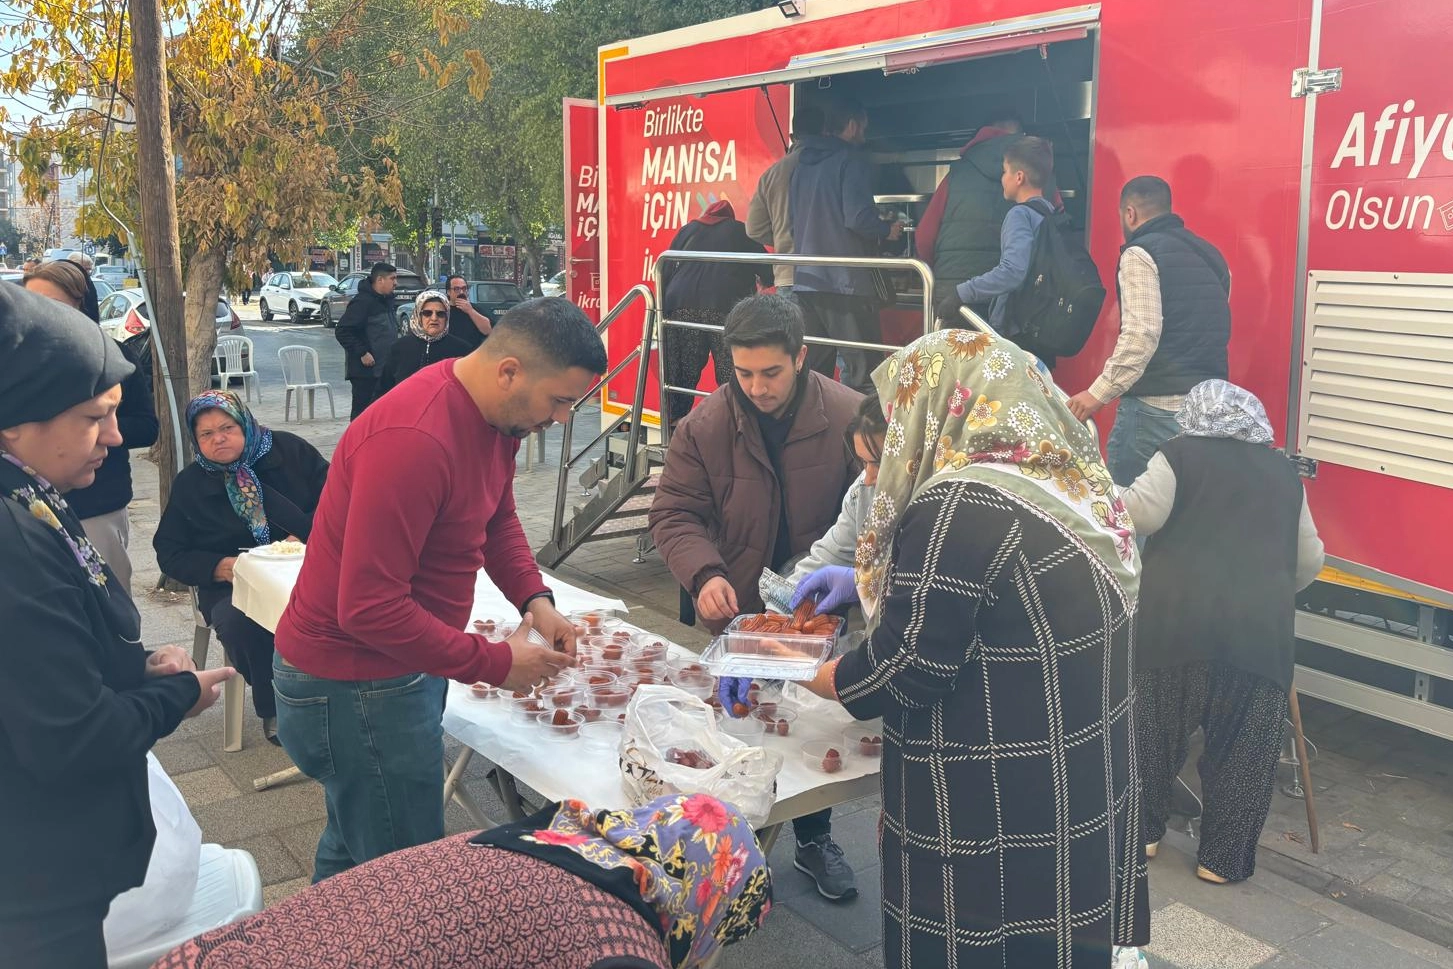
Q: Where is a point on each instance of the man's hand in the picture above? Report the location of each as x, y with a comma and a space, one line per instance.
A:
366, 359
167, 660
553, 626
895, 232
223, 571
1084, 405
531, 665
481, 322
211, 681
717, 600
948, 308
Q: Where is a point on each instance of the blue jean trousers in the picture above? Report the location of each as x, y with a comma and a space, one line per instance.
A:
1138, 433
377, 747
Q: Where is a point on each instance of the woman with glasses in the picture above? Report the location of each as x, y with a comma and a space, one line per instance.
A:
249, 486
428, 341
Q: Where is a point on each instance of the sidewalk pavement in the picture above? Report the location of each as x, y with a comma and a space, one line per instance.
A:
1379, 896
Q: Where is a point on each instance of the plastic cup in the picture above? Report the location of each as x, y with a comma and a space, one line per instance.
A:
746, 729
525, 709
824, 756
864, 743
612, 697
561, 724
700, 685
601, 734
483, 691
561, 696
778, 719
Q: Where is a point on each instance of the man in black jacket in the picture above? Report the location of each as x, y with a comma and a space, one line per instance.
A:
367, 331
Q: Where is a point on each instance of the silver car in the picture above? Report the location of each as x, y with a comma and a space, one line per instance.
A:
124, 314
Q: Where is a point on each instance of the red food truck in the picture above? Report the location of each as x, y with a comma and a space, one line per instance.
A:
1310, 140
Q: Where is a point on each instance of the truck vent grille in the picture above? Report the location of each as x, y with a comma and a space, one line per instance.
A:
1377, 374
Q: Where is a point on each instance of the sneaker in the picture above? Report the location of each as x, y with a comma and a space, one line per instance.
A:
822, 860
269, 731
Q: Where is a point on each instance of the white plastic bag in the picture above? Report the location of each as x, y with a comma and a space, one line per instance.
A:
162, 900
661, 719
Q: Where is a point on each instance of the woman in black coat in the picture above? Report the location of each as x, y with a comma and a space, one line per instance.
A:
428, 341
81, 702
250, 486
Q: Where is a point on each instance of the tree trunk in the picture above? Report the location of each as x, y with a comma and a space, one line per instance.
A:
204, 285
525, 239
161, 246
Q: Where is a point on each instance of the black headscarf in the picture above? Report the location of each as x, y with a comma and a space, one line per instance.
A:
51, 359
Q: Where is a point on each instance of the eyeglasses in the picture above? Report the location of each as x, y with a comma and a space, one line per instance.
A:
458, 289
222, 430
426, 314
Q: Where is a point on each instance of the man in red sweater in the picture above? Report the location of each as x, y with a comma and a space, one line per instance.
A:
419, 497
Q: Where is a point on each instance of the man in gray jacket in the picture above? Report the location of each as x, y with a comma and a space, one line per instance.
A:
768, 219
367, 331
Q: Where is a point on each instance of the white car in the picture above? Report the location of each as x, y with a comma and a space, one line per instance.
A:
299, 294
554, 286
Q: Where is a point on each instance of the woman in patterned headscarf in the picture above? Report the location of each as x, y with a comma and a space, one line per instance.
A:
428, 341
1231, 542
249, 486
664, 885
998, 570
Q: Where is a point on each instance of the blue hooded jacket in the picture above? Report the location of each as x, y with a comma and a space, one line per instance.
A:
830, 202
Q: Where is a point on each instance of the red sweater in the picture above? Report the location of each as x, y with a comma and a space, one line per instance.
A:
420, 495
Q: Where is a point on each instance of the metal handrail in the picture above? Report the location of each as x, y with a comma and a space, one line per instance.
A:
640, 291
925, 273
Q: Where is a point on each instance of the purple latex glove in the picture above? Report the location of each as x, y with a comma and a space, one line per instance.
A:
731, 690
833, 586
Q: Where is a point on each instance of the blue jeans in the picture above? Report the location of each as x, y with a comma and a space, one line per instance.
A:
377, 747
1139, 431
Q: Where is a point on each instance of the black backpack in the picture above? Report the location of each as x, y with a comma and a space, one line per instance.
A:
1056, 308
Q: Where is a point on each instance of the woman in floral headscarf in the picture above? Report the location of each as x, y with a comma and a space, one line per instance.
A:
664, 885
1231, 542
249, 486
998, 570
428, 341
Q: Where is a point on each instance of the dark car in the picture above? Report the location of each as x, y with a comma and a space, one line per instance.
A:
410, 284
489, 297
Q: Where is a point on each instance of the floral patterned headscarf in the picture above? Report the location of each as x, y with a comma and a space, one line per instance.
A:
691, 861
1217, 408
964, 404
420, 301
244, 490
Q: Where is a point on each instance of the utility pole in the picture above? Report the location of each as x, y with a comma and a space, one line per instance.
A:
161, 245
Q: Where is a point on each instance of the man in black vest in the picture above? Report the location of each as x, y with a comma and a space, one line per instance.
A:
1175, 323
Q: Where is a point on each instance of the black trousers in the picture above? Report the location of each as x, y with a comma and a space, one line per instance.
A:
1242, 716
364, 391
684, 353
70, 939
248, 645
841, 317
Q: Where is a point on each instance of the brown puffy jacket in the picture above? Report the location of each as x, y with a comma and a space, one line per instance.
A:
716, 508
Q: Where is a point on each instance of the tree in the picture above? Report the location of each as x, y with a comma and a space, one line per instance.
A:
251, 113
16, 239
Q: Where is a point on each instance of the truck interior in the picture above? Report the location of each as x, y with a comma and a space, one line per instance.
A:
920, 118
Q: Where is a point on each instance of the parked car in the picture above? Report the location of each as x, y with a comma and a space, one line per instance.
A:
490, 297
118, 276
11, 275
554, 286
103, 288
302, 293
410, 284
124, 314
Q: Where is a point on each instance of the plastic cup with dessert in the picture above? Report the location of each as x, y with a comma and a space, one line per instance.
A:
560, 724
650, 646
699, 685
567, 695
775, 718
863, 742
587, 675
745, 729
613, 696
483, 691
824, 756
524, 709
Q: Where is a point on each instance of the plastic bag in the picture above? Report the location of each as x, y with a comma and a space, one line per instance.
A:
663, 719
1129, 957
163, 899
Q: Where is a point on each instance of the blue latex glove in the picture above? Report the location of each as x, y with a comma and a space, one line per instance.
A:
833, 586
731, 690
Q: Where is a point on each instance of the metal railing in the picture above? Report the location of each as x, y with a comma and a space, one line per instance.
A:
640, 291
925, 273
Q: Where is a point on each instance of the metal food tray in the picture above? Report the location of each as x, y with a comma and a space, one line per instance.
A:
737, 653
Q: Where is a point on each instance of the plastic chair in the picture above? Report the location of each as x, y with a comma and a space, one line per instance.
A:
229, 354
301, 372
228, 888
233, 691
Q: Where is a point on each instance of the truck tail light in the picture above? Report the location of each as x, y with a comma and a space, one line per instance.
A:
133, 324
236, 322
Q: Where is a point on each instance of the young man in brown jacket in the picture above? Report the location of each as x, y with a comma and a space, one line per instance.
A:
754, 476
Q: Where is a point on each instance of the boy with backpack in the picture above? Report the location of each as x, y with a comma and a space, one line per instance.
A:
1045, 292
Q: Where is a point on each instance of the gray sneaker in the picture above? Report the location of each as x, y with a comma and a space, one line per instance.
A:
822, 860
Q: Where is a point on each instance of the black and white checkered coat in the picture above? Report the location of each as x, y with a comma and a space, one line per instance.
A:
1011, 807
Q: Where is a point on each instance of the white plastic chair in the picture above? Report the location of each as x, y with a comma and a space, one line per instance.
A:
229, 354
232, 690
228, 888
301, 372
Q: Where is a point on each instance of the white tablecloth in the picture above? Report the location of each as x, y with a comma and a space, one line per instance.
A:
261, 586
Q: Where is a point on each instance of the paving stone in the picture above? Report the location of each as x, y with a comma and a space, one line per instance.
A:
231, 821
856, 924
206, 786
1433, 902
301, 841
1391, 885
178, 756
1340, 947
275, 863
788, 940
272, 894
1189, 939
